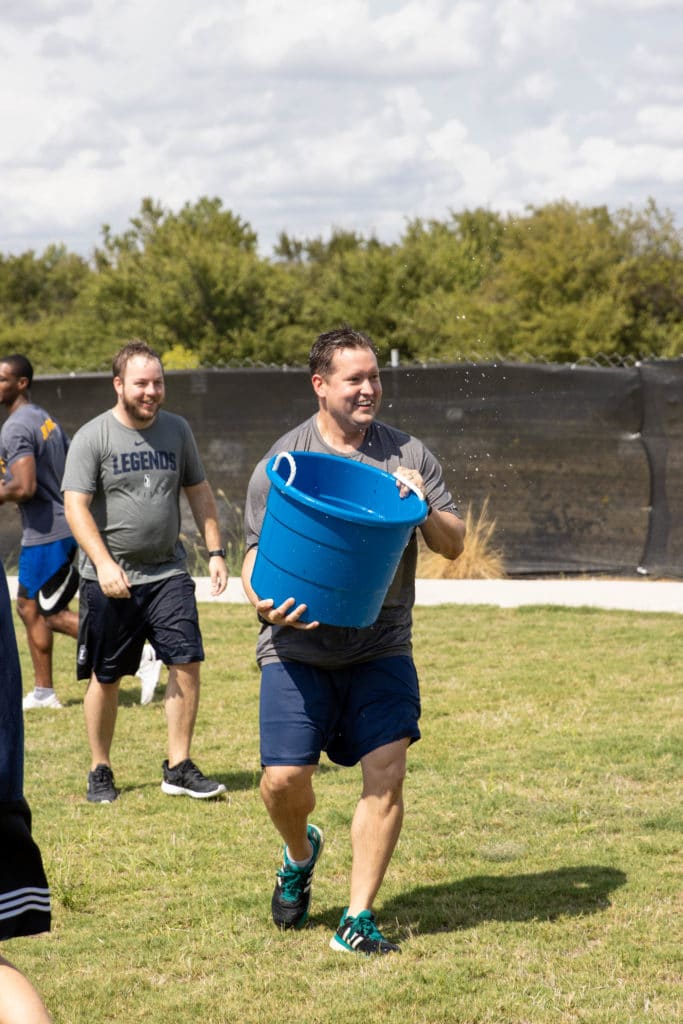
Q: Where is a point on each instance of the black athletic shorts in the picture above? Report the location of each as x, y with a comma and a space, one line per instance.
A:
112, 631
24, 894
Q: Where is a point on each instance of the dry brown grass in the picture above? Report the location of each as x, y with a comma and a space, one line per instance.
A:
480, 560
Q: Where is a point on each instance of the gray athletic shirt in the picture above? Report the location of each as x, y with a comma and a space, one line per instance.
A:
135, 477
335, 646
32, 431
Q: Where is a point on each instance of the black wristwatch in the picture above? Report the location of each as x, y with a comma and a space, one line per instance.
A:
218, 551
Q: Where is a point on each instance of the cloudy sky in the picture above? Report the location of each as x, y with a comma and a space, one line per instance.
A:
303, 115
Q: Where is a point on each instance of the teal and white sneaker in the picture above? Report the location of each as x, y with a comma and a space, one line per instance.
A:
360, 934
292, 893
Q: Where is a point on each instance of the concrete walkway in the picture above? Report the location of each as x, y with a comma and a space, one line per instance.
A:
626, 595
629, 595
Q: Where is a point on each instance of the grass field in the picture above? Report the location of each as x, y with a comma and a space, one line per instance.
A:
537, 879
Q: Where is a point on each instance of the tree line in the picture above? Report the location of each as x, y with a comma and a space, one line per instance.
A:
559, 283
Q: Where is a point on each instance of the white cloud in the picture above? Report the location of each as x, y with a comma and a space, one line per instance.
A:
538, 86
658, 64
523, 24
303, 116
471, 175
637, 6
542, 153
663, 123
41, 12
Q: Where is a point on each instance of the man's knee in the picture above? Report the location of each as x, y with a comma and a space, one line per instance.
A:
64, 622
384, 770
27, 610
280, 779
183, 679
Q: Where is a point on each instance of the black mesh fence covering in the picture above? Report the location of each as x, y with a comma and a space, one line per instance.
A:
662, 437
582, 466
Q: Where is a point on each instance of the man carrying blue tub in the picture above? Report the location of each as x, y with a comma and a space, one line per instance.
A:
352, 692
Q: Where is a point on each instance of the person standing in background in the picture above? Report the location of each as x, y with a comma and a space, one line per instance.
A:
33, 450
124, 473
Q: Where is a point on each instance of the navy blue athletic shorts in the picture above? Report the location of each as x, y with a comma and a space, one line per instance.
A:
112, 631
347, 712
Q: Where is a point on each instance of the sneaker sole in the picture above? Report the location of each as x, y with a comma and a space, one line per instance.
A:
170, 790
339, 946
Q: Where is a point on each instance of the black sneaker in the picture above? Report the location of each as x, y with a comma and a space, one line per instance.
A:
360, 934
185, 779
292, 893
101, 788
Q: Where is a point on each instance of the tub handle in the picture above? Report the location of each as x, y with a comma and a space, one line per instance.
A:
410, 486
292, 466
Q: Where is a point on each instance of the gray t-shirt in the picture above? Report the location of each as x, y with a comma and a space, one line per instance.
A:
135, 477
32, 431
333, 646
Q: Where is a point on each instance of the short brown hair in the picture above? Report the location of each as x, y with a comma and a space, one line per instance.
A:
134, 347
327, 344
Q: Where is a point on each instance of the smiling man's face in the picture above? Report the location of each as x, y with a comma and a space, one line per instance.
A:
351, 393
140, 391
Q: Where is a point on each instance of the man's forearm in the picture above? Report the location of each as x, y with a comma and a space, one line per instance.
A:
205, 514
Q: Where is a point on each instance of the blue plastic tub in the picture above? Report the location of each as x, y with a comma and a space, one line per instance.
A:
332, 537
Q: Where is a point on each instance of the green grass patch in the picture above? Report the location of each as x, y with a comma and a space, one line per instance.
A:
537, 879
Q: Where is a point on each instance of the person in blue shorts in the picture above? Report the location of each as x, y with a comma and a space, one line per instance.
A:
351, 692
24, 894
33, 450
124, 474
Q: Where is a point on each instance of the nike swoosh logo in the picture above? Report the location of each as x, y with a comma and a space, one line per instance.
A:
48, 603
138, 443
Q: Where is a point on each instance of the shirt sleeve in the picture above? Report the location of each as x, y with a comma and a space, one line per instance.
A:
18, 441
436, 493
81, 469
255, 505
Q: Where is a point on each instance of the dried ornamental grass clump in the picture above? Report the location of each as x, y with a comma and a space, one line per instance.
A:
480, 559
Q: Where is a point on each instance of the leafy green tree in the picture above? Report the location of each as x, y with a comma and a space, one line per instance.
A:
346, 279
192, 279
439, 269
561, 282
33, 286
651, 275
556, 292
180, 358
38, 301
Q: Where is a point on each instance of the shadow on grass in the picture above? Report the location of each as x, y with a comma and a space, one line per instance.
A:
234, 782
543, 896
130, 696
127, 698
